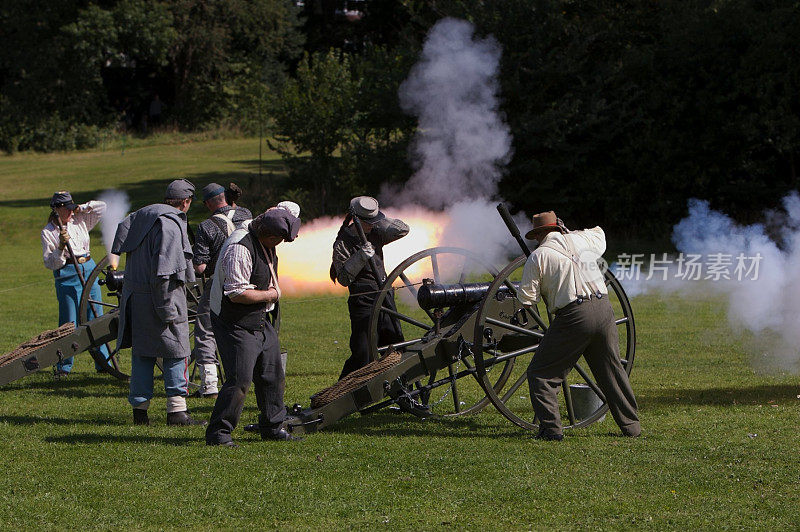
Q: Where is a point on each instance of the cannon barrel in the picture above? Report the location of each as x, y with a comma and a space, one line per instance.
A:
113, 280
435, 295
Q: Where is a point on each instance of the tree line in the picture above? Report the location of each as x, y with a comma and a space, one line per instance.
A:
620, 110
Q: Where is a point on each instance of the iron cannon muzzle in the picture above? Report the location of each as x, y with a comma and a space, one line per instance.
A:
435, 295
113, 280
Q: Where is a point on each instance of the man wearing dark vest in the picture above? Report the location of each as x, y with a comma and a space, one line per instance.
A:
244, 307
211, 234
563, 271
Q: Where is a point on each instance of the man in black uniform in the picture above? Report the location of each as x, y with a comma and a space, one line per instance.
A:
242, 318
211, 234
351, 268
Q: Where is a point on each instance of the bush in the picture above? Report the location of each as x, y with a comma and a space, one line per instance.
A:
48, 135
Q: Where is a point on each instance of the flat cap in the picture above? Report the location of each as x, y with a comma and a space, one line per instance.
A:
211, 190
366, 208
276, 222
179, 189
62, 198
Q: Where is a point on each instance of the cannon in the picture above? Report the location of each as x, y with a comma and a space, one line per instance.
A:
468, 341
92, 332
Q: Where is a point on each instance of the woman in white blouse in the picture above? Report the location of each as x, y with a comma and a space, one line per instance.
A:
67, 230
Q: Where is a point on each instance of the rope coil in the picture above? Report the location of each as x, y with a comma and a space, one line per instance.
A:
353, 381
41, 340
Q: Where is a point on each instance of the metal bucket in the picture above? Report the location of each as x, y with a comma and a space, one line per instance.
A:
584, 401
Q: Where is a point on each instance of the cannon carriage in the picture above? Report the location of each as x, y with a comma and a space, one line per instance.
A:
468, 342
92, 331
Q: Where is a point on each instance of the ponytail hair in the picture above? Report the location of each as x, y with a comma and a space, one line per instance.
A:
345, 223
53, 218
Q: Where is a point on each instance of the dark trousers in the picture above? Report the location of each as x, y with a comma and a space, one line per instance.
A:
389, 331
247, 356
586, 329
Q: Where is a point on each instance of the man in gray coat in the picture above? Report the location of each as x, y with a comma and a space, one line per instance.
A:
153, 313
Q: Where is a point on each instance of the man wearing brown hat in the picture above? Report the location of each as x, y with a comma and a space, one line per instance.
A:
563, 271
211, 234
154, 320
244, 309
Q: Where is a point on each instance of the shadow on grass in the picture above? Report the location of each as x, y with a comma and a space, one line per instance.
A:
81, 386
399, 424
94, 439
774, 394
36, 420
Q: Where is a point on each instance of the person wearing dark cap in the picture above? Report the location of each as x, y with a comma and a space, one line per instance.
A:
210, 236
154, 319
563, 271
351, 268
244, 310
67, 232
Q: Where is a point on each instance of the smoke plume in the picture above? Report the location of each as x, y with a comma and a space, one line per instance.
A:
766, 301
117, 207
462, 142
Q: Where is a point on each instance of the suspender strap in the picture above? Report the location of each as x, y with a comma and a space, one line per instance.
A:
572, 254
226, 220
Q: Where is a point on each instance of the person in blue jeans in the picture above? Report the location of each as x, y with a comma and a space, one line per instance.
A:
71, 223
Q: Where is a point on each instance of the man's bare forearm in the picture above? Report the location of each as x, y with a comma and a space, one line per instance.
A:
252, 296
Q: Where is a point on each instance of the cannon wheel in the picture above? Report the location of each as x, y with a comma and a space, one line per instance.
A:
449, 395
513, 401
109, 366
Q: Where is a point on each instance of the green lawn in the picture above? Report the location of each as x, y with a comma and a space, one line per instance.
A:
720, 447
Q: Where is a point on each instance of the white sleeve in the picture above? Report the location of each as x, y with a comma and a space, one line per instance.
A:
593, 239
54, 257
91, 212
529, 293
238, 265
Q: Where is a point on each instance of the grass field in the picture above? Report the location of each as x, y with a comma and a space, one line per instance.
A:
720, 447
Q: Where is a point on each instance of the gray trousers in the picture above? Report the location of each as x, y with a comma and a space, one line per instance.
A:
586, 329
205, 348
247, 357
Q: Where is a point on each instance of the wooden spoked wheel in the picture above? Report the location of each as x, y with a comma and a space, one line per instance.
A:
505, 330
454, 391
89, 308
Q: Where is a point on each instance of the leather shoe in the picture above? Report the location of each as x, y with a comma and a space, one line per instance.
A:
281, 435
140, 417
547, 435
183, 419
230, 444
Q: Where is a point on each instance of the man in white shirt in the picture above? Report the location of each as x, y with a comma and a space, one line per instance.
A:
563, 271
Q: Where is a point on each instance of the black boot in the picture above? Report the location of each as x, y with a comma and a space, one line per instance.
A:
183, 419
140, 417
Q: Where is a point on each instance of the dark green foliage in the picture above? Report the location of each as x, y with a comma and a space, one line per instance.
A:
67, 63
338, 125
622, 110
223, 47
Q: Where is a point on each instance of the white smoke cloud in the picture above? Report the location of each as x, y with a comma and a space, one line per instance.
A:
117, 207
462, 141
766, 305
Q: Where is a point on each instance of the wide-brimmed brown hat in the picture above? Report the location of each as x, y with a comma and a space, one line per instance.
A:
543, 223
